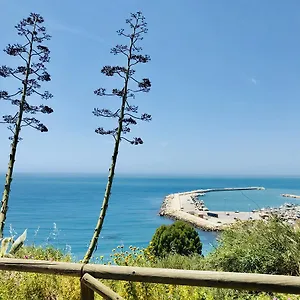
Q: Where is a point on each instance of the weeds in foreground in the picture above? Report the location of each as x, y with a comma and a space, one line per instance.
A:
239, 243
25, 286
144, 258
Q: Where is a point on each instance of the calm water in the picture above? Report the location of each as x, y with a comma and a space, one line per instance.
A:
62, 210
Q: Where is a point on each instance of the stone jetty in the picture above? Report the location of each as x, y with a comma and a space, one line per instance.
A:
190, 207
290, 196
186, 206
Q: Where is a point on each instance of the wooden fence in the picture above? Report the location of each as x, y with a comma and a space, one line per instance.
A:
89, 272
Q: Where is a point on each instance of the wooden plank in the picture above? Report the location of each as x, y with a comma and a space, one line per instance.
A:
85, 292
244, 281
41, 266
100, 288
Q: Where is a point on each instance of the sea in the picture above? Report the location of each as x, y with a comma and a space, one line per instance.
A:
62, 210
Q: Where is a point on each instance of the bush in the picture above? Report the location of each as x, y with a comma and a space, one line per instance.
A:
43, 253
23, 286
271, 247
178, 238
149, 291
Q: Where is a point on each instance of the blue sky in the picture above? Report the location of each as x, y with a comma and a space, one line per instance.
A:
225, 96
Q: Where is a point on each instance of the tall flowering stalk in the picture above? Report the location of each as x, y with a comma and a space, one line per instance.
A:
127, 114
34, 55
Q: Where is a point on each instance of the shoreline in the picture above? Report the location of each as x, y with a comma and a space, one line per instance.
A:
187, 207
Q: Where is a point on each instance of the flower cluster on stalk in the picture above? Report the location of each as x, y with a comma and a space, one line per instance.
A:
127, 115
34, 55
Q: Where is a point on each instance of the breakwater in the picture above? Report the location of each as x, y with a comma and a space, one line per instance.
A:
290, 196
203, 191
186, 206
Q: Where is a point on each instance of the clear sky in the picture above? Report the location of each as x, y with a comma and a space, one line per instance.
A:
225, 96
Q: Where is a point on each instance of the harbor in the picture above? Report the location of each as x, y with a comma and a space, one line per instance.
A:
190, 207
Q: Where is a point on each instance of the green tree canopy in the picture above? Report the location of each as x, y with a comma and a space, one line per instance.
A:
178, 238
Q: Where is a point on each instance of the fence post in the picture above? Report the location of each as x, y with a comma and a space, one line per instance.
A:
85, 292
100, 288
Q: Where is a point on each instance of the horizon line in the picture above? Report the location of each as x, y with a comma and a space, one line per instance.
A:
182, 175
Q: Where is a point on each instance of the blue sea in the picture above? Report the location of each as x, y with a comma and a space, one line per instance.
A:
62, 210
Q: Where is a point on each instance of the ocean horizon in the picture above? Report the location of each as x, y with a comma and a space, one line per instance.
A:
61, 209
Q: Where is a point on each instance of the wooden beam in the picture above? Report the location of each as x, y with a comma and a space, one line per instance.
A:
98, 287
244, 281
85, 292
41, 266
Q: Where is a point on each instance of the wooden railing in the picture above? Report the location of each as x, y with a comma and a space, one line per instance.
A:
89, 272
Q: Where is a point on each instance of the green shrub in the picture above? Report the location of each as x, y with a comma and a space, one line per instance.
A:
271, 247
147, 291
252, 246
176, 261
43, 253
23, 286
180, 238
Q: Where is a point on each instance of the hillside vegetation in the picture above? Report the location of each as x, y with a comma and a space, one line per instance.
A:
255, 246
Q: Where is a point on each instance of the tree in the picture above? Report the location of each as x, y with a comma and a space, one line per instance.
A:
127, 114
34, 55
180, 238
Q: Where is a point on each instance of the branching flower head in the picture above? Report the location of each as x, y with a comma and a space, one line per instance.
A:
128, 113
34, 55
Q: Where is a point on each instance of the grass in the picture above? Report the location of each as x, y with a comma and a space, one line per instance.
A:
144, 258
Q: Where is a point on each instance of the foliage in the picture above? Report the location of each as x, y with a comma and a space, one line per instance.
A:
271, 247
135, 256
23, 286
144, 258
180, 238
15, 245
177, 261
127, 113
43, 253
252, 246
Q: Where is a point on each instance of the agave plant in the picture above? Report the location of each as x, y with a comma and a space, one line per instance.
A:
15, 245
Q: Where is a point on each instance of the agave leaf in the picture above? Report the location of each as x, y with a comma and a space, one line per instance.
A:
18, 243
4, 246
